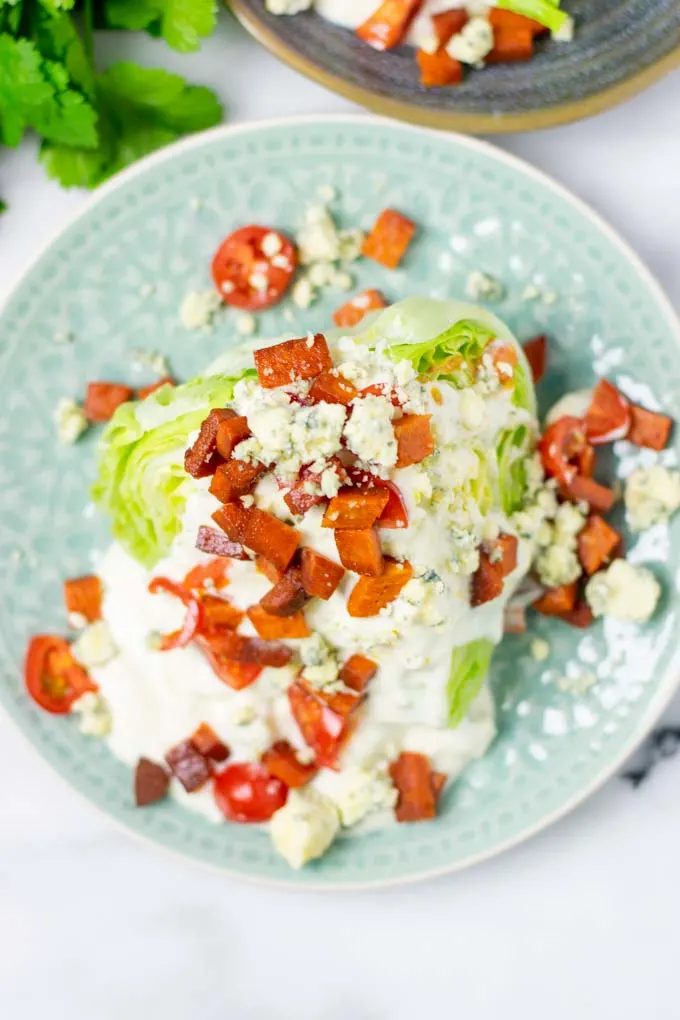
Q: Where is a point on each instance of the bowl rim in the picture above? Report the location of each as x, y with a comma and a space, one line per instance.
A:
450, 120
667, 685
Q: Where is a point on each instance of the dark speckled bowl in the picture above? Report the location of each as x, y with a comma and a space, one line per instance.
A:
621, 46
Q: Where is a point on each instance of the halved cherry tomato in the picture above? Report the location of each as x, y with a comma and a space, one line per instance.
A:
324, 720
248, 278
194, 615
395, 514
248, 792
54, 679
565, 450
234, 674
382, 390
608, 417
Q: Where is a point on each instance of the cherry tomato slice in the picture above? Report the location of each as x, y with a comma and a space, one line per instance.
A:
53, 677
608, 417
248, 792
324, 720
194, 615
564, 449
248, 278
234, 674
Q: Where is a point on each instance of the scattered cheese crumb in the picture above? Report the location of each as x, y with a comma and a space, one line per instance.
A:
94, 646
70, 420
288, 6
652, 495
624, 592
62, 336
95, 714
473, 42
147, 289
303, 293
539, 649
481, 286
198, 309
246, 324
577, 684
305, 827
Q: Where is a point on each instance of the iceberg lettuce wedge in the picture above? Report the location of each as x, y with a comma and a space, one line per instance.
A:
468, 671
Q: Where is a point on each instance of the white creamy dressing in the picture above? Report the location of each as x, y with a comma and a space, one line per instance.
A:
352, 13
158, 699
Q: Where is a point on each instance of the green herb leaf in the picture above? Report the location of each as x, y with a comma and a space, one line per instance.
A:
182, 23
141, 109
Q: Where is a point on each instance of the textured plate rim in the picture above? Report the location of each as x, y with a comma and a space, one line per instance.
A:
670, 680
468, 123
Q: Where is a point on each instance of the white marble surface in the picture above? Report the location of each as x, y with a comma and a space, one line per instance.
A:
581, 922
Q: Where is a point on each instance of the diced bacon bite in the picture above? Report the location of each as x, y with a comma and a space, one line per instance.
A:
389, 238
332, 388
151, 782
281, 760
446, 24
371, 594
486, 583
325, 719
283, 363
146, 391
412, 775
357, 672
608, 417
207, 743
511, 46
102, 399
414, 438
387, 26
260, 531
320, 576
438, 69
649, 428
288, 596
438, 784
557, 601
597, 542
230, 433
597, 496
580, 616
299, 501
360, 551
536, 353
504, 548
219, 612
276, 628
235, 478
354, 310
355, 508
83, 596
200, 459
240, 648
216, 543
189, 766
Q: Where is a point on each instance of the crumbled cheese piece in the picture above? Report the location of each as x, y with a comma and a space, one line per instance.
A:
539, 649
258, 281
565, 33
246, 324
481, 286
153, 360
359, 791
430, 44
305, 827
198, 309
77, 621
531, 292
327, 193
370, 435
95, 714
652, 495
147, 289
350, 243
94, 646
577, 684
317, 239
473, 42
62, 336
558, 564
195, 203
569, 521
303, 293
624, 592
70, 420
319, 662
288, 6
473, 411
271, 244
330, 482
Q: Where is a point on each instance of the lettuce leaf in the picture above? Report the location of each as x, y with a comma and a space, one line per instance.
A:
450, 355
468, 671
512, 450
547, 12
142, 485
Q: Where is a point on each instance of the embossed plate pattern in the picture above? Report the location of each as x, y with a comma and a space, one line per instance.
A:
158, 224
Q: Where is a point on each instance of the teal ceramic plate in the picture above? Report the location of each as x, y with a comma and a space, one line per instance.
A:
158, 225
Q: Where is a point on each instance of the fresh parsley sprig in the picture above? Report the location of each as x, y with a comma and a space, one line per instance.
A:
94, 123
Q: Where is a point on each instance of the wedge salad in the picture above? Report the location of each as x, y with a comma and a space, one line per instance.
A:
318, 546
449, 35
